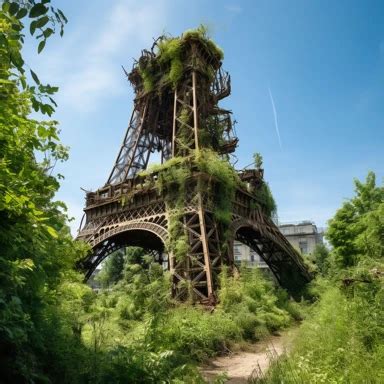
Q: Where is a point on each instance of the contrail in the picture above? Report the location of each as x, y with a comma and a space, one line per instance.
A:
275, 115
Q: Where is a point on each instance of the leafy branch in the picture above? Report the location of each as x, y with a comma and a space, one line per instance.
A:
44, 21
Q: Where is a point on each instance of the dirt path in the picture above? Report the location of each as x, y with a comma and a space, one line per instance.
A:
240, 365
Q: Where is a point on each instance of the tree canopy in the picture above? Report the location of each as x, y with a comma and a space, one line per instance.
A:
357, 231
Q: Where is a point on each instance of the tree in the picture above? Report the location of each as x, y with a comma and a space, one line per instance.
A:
112, 269
357, 225
37, 250
118, 262
320, 257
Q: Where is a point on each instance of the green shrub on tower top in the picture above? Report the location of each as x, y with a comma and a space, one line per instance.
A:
170, 60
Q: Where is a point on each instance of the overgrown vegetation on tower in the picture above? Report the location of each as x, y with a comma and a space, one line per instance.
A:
166, 68
169, 60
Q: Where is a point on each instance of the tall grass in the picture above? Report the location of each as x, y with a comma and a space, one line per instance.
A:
136, 331
341, 342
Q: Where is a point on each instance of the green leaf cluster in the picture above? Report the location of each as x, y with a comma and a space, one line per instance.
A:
341, 340
356, 231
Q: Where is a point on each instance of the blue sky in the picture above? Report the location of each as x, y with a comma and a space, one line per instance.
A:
322, 61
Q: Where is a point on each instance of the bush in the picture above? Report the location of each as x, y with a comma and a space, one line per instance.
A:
195, 333
251, 299
342, 339
341, 342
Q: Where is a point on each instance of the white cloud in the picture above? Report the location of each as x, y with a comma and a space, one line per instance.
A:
129, 23
87, 67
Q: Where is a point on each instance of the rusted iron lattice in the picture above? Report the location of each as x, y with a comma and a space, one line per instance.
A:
129, 210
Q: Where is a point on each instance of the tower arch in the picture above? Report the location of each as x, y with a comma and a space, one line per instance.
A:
149, 236
282, 259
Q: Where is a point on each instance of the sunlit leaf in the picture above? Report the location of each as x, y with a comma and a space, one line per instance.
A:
52, 231
5, 7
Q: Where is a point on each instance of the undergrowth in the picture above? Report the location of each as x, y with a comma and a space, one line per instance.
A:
137, 317
340, 342
342, 338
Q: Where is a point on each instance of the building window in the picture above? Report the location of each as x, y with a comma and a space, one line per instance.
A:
303, 245
237, 251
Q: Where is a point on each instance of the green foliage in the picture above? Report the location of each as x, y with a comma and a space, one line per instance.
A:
169, 49
196, 334
252, 301
148, 79
201, 33
264, 196
341, 341
136, 255
225, 179
320, 259
43, 18
169, 63
125, 328
184, 135
112, 269
176, 71
136, 364
370, 239
146, 289
258, 160
170, 53
357, 227
247, 311
37, 250
138, 318
155, 168
53, 328
172, 178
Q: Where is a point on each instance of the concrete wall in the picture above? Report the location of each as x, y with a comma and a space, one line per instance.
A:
303, 236
243, 253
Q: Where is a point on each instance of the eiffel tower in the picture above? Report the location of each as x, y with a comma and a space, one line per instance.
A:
178, 84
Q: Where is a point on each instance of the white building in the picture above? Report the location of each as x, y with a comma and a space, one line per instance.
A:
304, 236
242, 253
